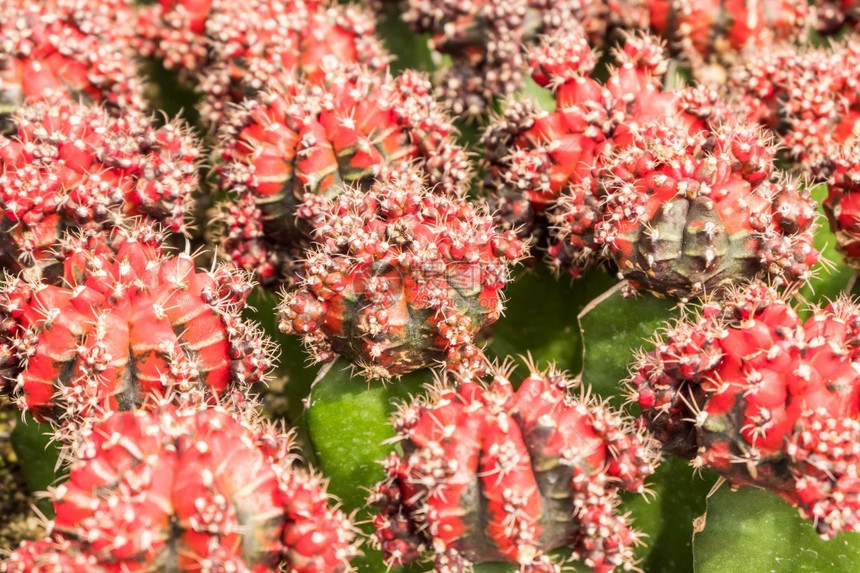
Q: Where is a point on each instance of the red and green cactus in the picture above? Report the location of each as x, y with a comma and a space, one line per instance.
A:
490, 474
400, 279
188, 489
125, 323
297, 145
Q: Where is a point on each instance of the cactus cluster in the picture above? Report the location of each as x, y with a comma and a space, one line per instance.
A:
188, 489
392, 207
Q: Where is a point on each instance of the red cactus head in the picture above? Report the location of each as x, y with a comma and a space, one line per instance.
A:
490, 474
750, 390
127, 323
74, 167
189, 489
401, 279
69, 49
286, 151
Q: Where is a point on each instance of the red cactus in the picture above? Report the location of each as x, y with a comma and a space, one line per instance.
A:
48, 556
190, 489
534, 157
685, 215
72, 166
750, 390
301, 143
489, 474
809, 98
487, 40
711, 28
127, 323
72, 49
843, 200
401, 279
235, 49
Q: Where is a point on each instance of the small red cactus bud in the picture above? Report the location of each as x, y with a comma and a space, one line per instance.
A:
750, 390
681, 221
128, 322
490, 474
843, 201
301, 143
70, 49
401, 279
487, 39
74, 166
189, 489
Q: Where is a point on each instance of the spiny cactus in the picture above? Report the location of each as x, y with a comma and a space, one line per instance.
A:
127, 322
534, 158
487, 473
808, 97
284, 152
685, 215
749, 389
189, 489
487, 41
401, 279
233, 50
71, 49
70, 166
711, 30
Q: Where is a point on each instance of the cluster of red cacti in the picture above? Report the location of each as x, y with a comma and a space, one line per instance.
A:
748, 388
349, 186
547, 466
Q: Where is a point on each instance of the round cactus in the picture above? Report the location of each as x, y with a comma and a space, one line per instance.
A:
72, 49
842, 204
126, 323
487, 39
535, 158
750, 390
73, 167
296, 145
490, 474
685, 215
401, 279
188, 489
233, 50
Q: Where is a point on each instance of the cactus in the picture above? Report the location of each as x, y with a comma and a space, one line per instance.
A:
489, 474
72, 167
125, 323
401, 279
285, 152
